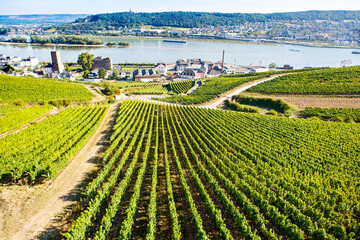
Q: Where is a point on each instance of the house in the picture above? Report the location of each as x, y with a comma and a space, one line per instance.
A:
181, 65
258, 69
161, 68
194, 61
122, 74
92, 75
144, 75
48, 70
213, 73
27, 62
190, 73
67, 75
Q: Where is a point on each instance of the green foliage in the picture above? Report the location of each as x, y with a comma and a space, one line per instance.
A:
274, 104
60, 103
111, 44
8, 69
196, 19
157, 89
3, 31
127, 84
43, 149
341, 81
212, 88
115, 73
65, 40
124, 44
33, 90
181, 86
273, 112
272, 65
242, 108
85, 60
268, 177
17, 39
13, 116
102, 73
349, 114
109, 88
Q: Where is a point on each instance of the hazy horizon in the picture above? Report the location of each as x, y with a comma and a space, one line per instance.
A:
26, 7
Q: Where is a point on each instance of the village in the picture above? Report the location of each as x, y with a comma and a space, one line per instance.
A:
103, 68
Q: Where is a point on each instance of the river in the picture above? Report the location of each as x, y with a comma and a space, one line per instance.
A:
155, 50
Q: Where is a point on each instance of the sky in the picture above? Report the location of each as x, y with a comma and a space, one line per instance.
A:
19, 7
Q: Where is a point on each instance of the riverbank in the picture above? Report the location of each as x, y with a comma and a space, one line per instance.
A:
54, 44
64, 45
242, 40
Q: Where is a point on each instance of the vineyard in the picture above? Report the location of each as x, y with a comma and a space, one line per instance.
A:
43, 149
334, 81
181, 86
175, 172
344, 114
211, 89
28, 89
12, 117
126, 84
158, 89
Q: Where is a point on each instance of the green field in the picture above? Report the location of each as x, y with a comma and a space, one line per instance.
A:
34, 90
127, 84
211, 89
157, 89
333, 81
43, 149
12, 117
181, 86
175, 172
339, 114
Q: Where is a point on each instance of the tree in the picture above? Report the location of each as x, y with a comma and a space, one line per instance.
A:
102, 73
272, 65
109, 88
67, 68
85, 60
115, 73
8, 69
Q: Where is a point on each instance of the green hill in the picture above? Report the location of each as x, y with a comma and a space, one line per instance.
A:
197, 19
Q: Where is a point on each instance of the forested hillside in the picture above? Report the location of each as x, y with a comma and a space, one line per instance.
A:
198, 19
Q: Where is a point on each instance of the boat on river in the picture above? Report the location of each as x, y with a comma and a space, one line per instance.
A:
174, 41
355, 52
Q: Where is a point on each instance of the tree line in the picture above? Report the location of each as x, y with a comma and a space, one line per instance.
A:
197, 19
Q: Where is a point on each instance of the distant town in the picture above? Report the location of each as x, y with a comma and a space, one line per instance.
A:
103, 68
343, 33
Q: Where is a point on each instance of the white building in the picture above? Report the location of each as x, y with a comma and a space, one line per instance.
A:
28, 62
161, 68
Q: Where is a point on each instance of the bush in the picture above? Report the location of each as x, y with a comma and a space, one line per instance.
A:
242, 108
59, 103
275, 104
272, 112
19, 103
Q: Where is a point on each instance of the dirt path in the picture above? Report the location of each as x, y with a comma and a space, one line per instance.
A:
27, 212
194, 88
94, 89
241, 88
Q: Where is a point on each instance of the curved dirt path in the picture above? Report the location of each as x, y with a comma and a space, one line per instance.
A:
98, 97
28, 212
240, 89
